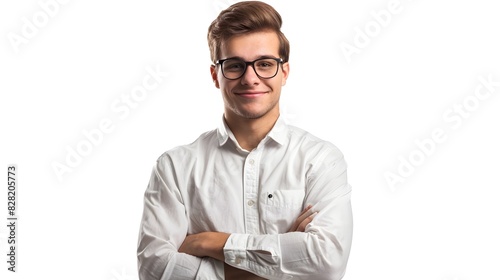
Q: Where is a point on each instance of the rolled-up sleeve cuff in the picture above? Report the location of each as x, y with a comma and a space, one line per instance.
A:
256, 254
235, 250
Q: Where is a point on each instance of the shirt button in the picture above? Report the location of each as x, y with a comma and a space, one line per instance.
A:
237, 261
251, 161
251, 203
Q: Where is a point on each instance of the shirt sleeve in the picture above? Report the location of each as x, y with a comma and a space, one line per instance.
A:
162, 231
322, 251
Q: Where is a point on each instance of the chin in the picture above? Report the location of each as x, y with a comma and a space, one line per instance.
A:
249, 115
256, 113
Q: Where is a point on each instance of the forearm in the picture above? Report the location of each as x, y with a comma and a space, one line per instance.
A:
281, 256
158, 261
205, 244
211, 244
302, 255
317, 252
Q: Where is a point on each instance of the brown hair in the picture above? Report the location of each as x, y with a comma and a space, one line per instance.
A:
245, 17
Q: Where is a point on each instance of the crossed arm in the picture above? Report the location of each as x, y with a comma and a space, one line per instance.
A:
211, 244
315, 245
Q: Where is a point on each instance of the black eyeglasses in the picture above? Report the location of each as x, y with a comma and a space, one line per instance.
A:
235, 68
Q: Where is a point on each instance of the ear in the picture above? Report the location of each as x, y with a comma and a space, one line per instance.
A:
213, 73
285, 69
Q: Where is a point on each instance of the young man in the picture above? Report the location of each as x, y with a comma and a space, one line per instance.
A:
255, 198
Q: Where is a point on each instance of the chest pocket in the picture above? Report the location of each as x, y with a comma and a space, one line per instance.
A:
280, 209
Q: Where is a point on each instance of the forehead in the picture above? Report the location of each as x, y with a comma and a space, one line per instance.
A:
251, 45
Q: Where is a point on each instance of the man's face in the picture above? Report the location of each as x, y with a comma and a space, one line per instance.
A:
251, 97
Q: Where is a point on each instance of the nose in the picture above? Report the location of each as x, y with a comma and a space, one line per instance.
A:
250, 76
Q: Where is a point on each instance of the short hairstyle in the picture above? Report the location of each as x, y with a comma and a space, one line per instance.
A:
245, 17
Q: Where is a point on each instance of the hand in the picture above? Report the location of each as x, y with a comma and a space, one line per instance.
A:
205, 244
305, 217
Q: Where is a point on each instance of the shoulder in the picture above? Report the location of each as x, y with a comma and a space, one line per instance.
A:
321, 158
312, 145
183, 154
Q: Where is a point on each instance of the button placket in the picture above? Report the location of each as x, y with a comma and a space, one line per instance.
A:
251, 183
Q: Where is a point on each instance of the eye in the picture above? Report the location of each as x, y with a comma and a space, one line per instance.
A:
233, 65
266, 63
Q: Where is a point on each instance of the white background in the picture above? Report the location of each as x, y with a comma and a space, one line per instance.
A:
442, 222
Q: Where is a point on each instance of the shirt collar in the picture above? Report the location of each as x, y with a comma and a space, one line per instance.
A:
223, 132
279, 132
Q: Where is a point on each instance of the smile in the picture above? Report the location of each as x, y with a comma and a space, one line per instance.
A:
251, 94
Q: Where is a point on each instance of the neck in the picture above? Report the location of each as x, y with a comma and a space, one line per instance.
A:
249, 132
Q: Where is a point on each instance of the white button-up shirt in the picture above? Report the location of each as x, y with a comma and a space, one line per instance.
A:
215, 185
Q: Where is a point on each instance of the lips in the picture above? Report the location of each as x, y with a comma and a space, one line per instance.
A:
250, 94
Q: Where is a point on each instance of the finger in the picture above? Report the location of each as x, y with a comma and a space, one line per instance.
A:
303, 215
305, 210
302, 226
299, 219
